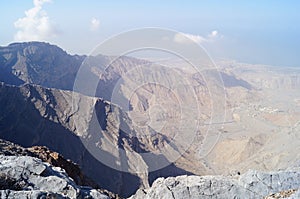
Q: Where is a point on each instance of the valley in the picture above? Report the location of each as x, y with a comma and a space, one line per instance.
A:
139, 124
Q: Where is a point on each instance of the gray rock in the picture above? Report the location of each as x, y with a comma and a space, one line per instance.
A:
295, 195
28, 177
252, 184
271, 182
9, 194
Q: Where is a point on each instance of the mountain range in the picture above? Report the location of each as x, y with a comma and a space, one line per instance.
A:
41, 104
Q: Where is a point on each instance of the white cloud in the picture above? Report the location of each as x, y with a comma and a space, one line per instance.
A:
36, 24
95, 23
185, 38
213, 33
188, 38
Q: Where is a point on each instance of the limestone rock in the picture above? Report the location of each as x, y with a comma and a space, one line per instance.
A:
29, 177
252, 184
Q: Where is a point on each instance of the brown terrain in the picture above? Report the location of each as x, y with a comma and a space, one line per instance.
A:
149, 119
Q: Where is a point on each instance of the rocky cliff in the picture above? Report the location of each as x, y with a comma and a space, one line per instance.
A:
33, 115
23, 175
252, 184
28, 177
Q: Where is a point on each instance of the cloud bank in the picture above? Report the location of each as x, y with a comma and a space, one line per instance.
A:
36, 24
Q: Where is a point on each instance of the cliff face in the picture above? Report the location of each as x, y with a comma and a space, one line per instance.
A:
33, 115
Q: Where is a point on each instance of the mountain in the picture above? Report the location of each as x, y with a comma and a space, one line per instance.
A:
38, 63
127, 121
49, 66
33, 115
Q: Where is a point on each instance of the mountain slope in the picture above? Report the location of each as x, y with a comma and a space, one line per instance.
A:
33, 115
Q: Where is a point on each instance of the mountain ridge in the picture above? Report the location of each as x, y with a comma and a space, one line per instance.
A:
39, 107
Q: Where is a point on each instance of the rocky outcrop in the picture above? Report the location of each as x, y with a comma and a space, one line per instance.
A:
252, 184
55, 159
28, 177
46, 155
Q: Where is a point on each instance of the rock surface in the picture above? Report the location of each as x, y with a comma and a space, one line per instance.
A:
46, 155
28, 177
252, 184
54, 159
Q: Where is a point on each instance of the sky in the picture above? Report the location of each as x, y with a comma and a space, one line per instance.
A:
256, 32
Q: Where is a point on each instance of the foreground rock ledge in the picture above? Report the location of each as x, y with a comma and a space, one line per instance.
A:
24, 176
252, 184
29, 177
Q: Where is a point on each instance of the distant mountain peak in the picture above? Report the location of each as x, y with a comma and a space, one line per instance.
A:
30, 43
38, 63
33, 47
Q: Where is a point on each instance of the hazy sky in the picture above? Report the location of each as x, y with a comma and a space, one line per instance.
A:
256, 31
